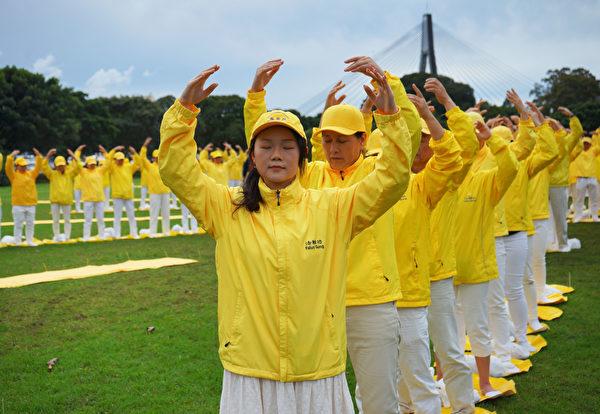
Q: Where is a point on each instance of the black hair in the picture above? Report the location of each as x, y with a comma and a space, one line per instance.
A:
251, 198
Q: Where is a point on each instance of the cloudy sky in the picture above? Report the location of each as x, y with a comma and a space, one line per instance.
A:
153, 47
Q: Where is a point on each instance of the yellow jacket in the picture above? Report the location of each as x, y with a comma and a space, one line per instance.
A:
92, 183
61, 185
559, 169
121, 178
1, 165
218, 172
578, 149
585, 163
516, 198
23, 189
236, 169
154, 182
443, 254
282, 270
372, 270
412, 220
521, 148
479, 193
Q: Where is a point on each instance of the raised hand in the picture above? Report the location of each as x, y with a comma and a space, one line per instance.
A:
147, 142
538, 117
554, 124
514, 98
565, 111
227, 146
433, 85
362, 64
50, 153
515, 119
482, 131
80, 148
132, 150
71, 153
195, 92
36, 152
264, 74
419, 101
209, 146
331, 98
118, 148
239, 148
15, 153
367, 105
384, 97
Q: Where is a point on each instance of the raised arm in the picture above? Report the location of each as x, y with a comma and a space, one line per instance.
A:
38, 163
10, 164
255, 104
546, 149
46, 170
368, 199
208, 201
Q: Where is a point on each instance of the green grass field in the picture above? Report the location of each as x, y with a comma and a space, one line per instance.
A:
97, 327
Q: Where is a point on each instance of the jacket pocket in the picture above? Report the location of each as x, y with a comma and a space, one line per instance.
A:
234, 328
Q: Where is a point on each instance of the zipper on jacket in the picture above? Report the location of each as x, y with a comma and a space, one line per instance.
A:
278, 195
342, 174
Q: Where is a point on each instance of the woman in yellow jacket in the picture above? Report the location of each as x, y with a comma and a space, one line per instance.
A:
559, 181
217, 167
23, 194
1, 166
92, 195
372, 286
584, 169
61, 189
235, 172
121, 183
144, 185
454, 379
281, 254
479, 193
437, 160
159, 193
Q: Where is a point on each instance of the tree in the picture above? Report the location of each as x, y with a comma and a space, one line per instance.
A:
566, 87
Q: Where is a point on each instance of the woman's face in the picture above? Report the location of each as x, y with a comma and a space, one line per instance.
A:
276, 156
423, 155
341, 150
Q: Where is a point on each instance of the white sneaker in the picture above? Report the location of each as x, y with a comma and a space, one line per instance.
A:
510, 369
565, 249
536, 326
32, 244
529, 347
519, 352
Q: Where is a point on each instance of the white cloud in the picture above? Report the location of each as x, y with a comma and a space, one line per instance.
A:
108, 81
47, 67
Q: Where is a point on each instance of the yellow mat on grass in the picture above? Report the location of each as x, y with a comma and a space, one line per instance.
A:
545, 328
555, 299
478, 410
506, 387
538, 342
563, 289
548, 313
90, 271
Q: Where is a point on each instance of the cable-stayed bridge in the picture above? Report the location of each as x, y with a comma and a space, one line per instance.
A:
446, 54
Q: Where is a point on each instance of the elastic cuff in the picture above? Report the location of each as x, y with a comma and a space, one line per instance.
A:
183, 112
382, 119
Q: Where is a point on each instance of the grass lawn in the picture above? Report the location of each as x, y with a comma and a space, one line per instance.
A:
97, 327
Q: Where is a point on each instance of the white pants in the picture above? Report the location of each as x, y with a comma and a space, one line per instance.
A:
77, 196
516, 262
89, 208
497, 309
56, 210
373, 333
472, 317
250, 395
107, 197
529, 279
23, 215
559, 204
537, 257
159, 203
416, 387
188, 221
118, 204
444, 336
143, 197
583, 185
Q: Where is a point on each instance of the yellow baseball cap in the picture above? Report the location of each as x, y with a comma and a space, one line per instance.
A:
90, 159
475, 116
21, 162
344, 119
587, 140
278, 117
503, 132
60, 160
155, 153
216, 154
119, 155
424, 127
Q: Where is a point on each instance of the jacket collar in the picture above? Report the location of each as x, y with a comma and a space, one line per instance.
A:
348, 170
278, 198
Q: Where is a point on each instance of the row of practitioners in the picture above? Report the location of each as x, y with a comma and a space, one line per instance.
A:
91, 183
387, 239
